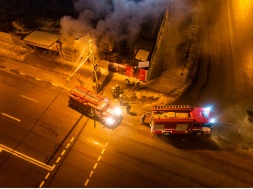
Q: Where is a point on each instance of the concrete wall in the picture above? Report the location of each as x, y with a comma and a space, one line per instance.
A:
159, 52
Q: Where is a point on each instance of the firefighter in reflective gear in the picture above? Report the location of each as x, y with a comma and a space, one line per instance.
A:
128, 107
138, 85
143, 117
117, 90
135, 70
120, 99
127, 83
113, 92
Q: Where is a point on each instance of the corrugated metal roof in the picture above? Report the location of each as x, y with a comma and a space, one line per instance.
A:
42, 38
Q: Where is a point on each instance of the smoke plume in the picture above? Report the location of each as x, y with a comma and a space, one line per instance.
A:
112, 21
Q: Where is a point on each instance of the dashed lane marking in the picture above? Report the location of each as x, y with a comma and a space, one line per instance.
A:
86, 183
63, 152
103, 151
29, 98
41, 184
91, 173
95, 166
47, 175
11, 117
99, 158
58, 159
21, 73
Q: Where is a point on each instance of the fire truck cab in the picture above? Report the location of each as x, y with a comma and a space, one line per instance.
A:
181, 119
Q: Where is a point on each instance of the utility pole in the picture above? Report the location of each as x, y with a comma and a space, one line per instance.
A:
94, 65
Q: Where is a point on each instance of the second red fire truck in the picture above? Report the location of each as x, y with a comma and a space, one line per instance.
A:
181, 119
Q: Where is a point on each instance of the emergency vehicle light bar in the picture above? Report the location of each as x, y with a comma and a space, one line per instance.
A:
188, 107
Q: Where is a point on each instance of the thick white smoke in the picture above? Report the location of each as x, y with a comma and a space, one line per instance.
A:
111, 21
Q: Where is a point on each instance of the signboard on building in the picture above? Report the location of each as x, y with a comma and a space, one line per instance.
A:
143, 64
141, 74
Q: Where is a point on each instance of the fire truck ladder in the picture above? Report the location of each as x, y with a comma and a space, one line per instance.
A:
87, 95
172, 107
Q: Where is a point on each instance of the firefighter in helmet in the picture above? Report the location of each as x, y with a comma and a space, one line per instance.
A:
128, 107
127, 82
117, 90
113, 92
138, 85
135, 70
143, 117
120, 99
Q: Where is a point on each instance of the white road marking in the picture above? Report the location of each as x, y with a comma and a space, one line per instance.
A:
21, 73
25, 157
58, 159
91, 173
47, 175
68, 145
38, 79
7, 69
63, 152
11, 117
86, 183
99, 158
95, 166
41, 184
29, 98
103, 151
53, 167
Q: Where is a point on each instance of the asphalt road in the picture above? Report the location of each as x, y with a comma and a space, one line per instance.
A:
79, 155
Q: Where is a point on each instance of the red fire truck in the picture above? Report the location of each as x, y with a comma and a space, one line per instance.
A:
181, 119
87, 102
